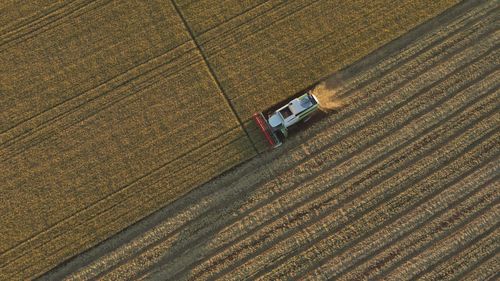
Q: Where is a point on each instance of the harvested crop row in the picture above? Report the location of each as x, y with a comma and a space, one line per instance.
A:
393, 255
485, 271
361, 202
435, 206
444, 247
328, 181
446, 37
378, 218
466, 259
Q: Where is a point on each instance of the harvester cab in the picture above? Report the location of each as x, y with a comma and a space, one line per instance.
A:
275, 127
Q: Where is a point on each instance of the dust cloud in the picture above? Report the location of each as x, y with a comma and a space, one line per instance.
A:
327, 98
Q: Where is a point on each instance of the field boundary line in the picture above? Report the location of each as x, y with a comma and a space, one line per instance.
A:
213, 74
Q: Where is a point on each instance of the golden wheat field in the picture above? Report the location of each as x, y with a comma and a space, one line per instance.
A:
400, 183
116, 117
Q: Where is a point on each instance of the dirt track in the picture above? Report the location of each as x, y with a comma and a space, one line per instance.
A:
401, 183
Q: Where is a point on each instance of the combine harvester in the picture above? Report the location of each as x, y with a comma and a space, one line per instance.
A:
277, 123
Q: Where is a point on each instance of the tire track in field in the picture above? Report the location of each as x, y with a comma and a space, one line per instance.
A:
49, 21
446, 37
36, 16
257, 220
434, 207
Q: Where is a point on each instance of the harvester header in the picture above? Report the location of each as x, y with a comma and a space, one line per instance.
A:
275, 124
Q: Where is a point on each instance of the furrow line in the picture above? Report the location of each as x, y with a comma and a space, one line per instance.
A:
464, 258
446, 246
487, 270
436, 229
436, 204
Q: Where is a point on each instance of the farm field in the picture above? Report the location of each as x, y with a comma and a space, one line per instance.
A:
111, 110
401, 183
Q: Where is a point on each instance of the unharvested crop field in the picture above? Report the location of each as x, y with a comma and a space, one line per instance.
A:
110, 110
401, 183
104, 119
